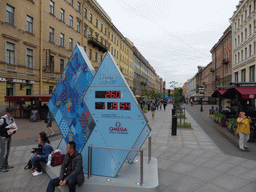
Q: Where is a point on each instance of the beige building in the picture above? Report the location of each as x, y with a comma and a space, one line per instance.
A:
244, 42
38, 37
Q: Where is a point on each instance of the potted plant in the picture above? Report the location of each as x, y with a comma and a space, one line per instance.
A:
232, 125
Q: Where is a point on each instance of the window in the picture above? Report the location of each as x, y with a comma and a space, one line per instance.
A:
243, 75
90, 17
250, 9
250, 30
85, 49
79, 7
51, 7
90, 54
51, 90
97, 23
245, 53
52, 63
85, 13
252, 69
71, 2
78, 26
101, 58
242, 55
51, 34
61, 66
28, 90
71, 21
105, 31
62, 40
10, 53
62, 15
250, 50
101, 28
9, 14
9, 89
29, 58
70, 44
85, 31
29, 24
96, 56
245, 33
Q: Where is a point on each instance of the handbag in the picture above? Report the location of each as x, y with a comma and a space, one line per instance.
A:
57, 160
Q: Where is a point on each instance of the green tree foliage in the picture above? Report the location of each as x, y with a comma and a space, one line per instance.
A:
178, 95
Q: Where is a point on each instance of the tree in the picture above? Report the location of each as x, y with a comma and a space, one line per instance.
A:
178, 95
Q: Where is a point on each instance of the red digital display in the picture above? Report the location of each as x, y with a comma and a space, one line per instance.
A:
125, 106
112, 105
108, 94
100, 105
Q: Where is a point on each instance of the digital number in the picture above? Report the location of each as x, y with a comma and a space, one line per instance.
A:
125, 106
112, 105
108, 94
100, 105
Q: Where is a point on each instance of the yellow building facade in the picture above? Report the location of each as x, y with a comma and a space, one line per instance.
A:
37, 38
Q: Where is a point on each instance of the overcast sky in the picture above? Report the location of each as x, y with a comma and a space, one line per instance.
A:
174, 36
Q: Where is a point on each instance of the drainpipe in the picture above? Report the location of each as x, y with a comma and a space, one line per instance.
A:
41, 50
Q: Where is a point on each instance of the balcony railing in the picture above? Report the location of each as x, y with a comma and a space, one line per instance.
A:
225, 61
94, 41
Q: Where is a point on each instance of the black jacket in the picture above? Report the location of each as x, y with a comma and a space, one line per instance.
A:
77, 167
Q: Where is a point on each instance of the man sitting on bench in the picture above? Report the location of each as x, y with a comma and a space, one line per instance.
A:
71, 172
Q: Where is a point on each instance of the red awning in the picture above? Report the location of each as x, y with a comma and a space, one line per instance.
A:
247, 92
27, 98
217, 93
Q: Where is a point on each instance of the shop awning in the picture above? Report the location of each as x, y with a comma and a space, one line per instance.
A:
218, 93
27, 98
246, 92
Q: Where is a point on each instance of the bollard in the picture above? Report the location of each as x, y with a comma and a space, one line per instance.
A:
174, 125
173, 111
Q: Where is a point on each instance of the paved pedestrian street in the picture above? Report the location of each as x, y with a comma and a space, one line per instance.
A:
189, 161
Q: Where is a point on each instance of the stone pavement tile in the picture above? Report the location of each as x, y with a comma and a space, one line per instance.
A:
188, 159
209, 154
238, 171
177, 156
5, 182
204, 174
221, 157
167, 178
211, 163
229, 183
248, 163
248, 188
197, 152
235, 160
249, 176
199, 160
166, 155
184, 150
187, 184
164, 163
20, 181
192, 146
223, 167
182, 168
210, 188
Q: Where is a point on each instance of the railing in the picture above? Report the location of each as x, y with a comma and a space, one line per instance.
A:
97, 43
134, 150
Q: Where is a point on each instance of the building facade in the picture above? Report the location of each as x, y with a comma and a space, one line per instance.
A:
244, 42
38, 37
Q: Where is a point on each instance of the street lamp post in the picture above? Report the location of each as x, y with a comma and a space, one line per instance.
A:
201, 105
201, 95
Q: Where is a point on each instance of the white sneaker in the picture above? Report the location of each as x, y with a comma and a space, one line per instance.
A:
52, 133
37, 173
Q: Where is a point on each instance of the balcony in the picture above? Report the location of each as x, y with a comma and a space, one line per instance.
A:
225, 61
95, 43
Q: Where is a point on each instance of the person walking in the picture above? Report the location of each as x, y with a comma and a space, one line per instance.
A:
153, 109
42, 156
5, 139
165, 103
49, 124
243, 128
71, 171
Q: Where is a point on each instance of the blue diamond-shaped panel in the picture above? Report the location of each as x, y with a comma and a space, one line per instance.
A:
66, 104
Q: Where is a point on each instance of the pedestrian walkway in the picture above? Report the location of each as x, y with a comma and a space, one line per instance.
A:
189, 161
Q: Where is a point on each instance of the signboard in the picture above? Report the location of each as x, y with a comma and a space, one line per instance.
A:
201, 93
120, 123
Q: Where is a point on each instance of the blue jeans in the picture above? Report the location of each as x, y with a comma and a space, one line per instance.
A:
71, 182
5, 145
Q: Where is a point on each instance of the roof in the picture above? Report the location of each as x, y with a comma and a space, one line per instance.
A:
26, 98
219, 92
245, 92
